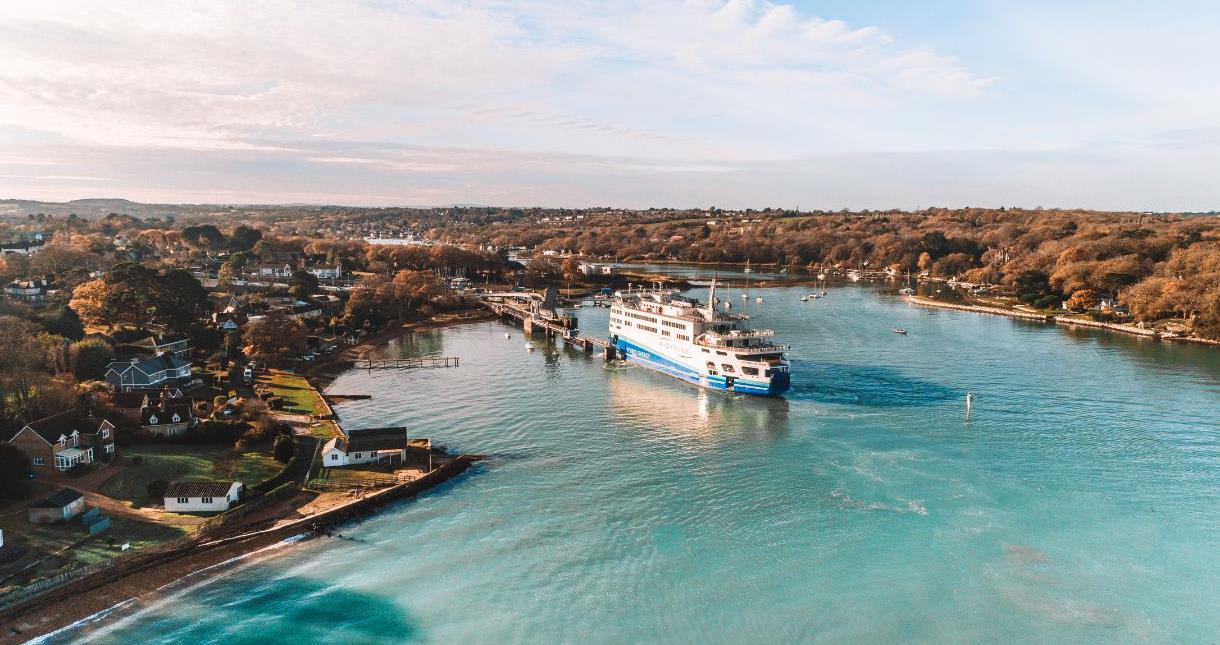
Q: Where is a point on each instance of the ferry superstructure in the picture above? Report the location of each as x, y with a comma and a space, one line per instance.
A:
676, 335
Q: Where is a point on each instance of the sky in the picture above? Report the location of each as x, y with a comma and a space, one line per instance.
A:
806, 104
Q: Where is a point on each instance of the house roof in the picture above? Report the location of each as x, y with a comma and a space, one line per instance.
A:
149, 364
134, 399
199, 489
165, 414
376, 439
59, 499
61, 425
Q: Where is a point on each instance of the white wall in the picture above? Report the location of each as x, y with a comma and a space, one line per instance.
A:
196, 505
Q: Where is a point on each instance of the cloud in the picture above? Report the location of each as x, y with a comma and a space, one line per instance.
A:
218, 76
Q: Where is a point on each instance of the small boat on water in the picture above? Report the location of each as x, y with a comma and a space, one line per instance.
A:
804, 298
507, 335
529, 347
906, 291
758, 300
900, 330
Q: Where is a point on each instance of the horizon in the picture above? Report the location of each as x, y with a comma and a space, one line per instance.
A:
816, 105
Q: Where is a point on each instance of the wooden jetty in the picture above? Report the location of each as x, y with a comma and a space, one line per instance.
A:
537, 314
406, 363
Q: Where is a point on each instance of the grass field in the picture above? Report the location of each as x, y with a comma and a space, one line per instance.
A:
171, 462
67, 546
324, 430
299, 396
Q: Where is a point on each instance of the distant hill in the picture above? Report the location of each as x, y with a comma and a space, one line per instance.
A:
96, 208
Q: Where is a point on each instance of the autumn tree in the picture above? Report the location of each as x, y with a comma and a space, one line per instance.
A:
1083, 299
274, 339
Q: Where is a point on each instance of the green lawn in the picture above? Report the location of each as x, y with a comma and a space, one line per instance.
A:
299, 396
184, 461
324, 430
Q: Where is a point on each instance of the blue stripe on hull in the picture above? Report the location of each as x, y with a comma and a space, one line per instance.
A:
637, 354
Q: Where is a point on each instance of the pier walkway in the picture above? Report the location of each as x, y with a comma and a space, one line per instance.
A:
537, 313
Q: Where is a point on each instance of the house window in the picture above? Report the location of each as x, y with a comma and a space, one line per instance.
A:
334, 457
358, 455
63, 441
152, 421
183, 500
206, 500
110, 448
105, 433
39, 461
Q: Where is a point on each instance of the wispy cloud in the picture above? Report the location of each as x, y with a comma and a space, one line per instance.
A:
592, 101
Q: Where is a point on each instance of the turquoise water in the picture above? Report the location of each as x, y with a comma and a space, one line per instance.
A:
1080, 502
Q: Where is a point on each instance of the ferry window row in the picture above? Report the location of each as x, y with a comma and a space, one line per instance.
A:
670, 323
632, 314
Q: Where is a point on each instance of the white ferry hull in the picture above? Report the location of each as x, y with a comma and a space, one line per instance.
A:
679, 367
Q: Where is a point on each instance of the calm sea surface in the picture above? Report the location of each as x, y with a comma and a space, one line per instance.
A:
1080, 502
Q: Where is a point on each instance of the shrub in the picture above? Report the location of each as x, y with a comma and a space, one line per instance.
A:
157, 488
13, 467
284, 448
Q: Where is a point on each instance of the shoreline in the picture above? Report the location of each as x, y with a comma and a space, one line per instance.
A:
92, 598
1069, 321
323, 372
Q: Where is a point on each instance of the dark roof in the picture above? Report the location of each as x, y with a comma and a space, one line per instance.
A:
376, 439
53, 427
150, 364
60, 499
165, 415
198, 489
134, 399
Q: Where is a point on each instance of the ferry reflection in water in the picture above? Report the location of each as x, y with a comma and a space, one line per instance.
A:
665, 409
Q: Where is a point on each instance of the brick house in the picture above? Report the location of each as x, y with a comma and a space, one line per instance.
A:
64, 440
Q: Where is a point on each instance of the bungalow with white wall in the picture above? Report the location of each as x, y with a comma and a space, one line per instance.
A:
202, 497
367, 446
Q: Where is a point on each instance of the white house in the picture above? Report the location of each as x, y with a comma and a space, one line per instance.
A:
201, 497
371, 445
270, 270
327, 273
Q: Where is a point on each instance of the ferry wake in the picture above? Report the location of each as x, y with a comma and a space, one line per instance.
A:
676, 335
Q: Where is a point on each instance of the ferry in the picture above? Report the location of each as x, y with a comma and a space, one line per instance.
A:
676, 335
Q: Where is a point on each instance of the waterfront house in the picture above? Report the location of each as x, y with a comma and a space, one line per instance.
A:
61, 506
148, 372
367, 446
202, 496
64, 440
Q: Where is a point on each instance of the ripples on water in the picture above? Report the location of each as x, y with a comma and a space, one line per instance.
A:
1077, 504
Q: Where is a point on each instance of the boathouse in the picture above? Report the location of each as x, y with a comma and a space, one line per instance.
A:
367, 446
